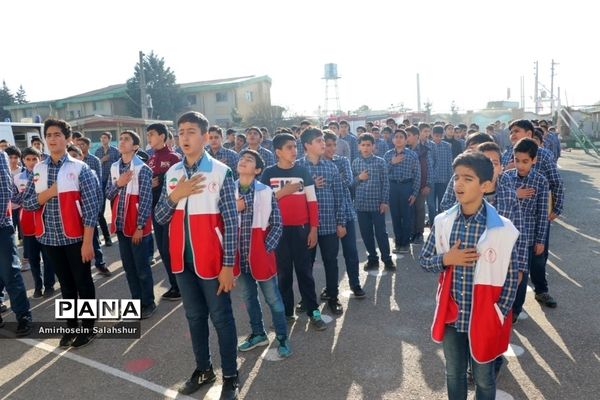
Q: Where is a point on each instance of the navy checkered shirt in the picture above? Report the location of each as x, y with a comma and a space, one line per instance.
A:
94, 163
442, 161
227, 157
330, 197
113, 157
345, 170
373, 192
90, 206
469, 231
6, 190
381, 147
408, 168
352, 143
274, 231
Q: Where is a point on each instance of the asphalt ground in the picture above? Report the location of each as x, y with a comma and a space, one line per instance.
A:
379, 349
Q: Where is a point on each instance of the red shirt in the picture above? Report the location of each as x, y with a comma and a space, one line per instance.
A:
159, 163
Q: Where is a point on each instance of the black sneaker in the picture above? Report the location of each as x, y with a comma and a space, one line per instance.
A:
37, 293
198, 379
515, 318
148, 310
67, 340
1, 322
324, 295
230, 389
291, 319
335, 306
171, 295
418, 239
49, 292
389, 266
82, 340
107, 241
546, 300
24, 327
102, 270
300, 307
317, 322
371, 265
3, 308
396, 250
359, 293
404, 249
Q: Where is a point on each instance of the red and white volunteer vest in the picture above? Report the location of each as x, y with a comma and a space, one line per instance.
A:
205, 222
132, 199
489, 331
26, 218
262, 263
69, 197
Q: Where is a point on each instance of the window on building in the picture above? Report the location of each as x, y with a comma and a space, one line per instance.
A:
221, 97
72, 114
249, 96
191, 99
94, 106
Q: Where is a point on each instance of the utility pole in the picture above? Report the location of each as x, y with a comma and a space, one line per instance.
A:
418, 94
552, 88
535, 90
143, 88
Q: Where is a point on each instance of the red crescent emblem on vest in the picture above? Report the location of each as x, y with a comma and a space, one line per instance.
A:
489, 255
213, 187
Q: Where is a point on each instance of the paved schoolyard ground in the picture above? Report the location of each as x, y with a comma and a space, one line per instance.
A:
379, 349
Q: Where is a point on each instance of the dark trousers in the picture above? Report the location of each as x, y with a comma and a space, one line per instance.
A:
137, 268
98, 255
401, 212
292, 253
367, 222
329, 246
351, 254
522, 289
537, 268
161, 233
419, 215
10, 274
101, 220
34, 249
16, 223
434, 199
74, 275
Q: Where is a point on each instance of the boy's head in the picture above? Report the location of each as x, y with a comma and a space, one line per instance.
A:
344, 126
473, 175
391, 122
30, 156
105, 138
3, 144
538, 136
75, 152
476, 139
192, 127
157, 135
366, 141
492, 151
285, 147
129, 142
525, 155
37, 143
412, 135
424, 131
360, 130
253, 136
449, 130
230, 135
387, 133
251, 163
520, 129
84, 144
14, 155
240, 140
312, 140
437, 133
215, 137
57, 133
330, 144
399, 138
334, 126
375, 132
264, 132
76, 135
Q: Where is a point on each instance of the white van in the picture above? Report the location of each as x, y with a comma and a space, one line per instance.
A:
21, 133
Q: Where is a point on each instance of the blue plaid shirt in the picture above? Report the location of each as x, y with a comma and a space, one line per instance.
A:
352, 143
299, 149
423, 150
345, 170
442, 161
267, 156
373, 192
534, 209
113, 157
145, 195
227, 157
94, 163
552, 143
163, 212
6, 190
469, 231
330, 197
381, 147
546, 166
408, 168
90, 206
275, 226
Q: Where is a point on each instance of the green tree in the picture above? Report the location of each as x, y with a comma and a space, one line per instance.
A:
6, 99
160, 85
236, 117
21, 96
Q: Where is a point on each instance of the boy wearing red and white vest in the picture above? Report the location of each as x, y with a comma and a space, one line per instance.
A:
260, 231
473, 248
198, 202
130, 192
63, 194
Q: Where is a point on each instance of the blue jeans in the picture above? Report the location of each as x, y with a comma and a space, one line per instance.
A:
522, 288
329, 246
401, 212
270, 290
199, 301
137, 269
457, 354
10, 274
98, 255
351, 254
161, 232
537, 267
367, 220
34, 249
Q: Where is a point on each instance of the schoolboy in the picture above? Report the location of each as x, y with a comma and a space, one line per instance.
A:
442, 170
295, 193
253, 139
345, 134
372, 186
260, 231
381, 146
404, 172
344, 148
473, 248
217, 151
130, 192
330, 200
198, 202
108, 154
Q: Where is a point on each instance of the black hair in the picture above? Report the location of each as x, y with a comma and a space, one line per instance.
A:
161, 129
387, 121
329, 135
194, 117
423, 125
366, 137
260, 162
216, 128
76, 149
400, 131
3, 141
539, 133
86, 140
310, 134
413, 130
107, 134
386, 129
375, 128
448, 126
37, 139
134, 136
255, 129
76, 135
490, 146
305, 122
437, 130
478, 138
361, 128
63, 125
30, 151
280, 140
524, 124
334, 123
463, 126
527, 145
230, 132
242, 136
13, 151
478, 162
344, 122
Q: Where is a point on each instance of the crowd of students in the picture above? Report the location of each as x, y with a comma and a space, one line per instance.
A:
253, 209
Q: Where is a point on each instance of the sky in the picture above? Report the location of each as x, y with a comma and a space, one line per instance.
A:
469, 52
